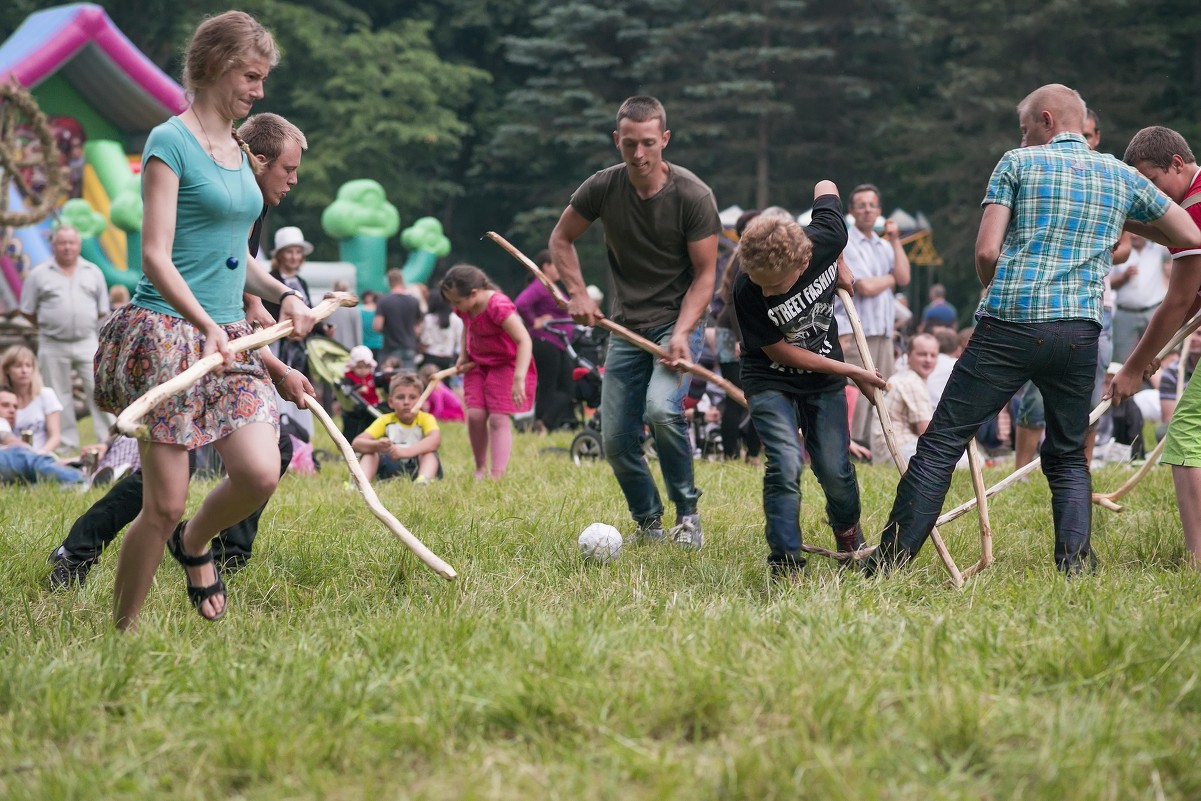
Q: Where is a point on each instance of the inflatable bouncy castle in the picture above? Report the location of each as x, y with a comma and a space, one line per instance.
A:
102, 96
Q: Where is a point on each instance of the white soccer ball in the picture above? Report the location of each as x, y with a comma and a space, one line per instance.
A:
600, 543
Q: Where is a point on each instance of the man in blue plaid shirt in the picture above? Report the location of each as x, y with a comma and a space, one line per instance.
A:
1052, 213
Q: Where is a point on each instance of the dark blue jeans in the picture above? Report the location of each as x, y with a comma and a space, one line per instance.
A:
1061, 359
639, 391
823, 420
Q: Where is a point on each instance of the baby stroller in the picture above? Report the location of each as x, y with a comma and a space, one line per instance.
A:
586, 348
586, 387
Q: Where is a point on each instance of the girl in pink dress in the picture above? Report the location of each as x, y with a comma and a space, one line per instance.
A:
504, 378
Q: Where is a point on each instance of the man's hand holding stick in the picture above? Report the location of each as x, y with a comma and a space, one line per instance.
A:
620, 330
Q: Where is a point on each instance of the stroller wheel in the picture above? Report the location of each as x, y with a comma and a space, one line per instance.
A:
586, 447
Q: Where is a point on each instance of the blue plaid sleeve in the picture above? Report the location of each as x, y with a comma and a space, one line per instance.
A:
1003, 185
1149, 204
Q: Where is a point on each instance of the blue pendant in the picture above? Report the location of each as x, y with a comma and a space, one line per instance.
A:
231, 263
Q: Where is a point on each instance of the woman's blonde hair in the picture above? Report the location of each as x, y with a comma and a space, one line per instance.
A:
15, 354
223, 43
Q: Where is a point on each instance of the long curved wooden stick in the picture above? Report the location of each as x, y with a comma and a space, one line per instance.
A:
975, 464
1109, 500
1102, 407
886, 426
360, 479
618, 329
438, 377
129, 422
841, 556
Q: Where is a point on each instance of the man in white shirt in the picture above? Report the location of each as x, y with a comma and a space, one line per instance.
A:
1141, 283
20, 464
880, 267
66, 298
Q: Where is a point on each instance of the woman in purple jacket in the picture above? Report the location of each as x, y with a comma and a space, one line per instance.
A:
536, 305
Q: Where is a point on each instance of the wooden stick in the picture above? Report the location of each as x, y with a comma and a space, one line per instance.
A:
438, 377
129, 422
1102, 407
360, 479
1109, 500
986, 559
841, 556
618, 329
886, 425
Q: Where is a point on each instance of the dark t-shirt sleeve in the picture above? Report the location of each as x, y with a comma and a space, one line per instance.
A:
588, 198
827, 230
700, 217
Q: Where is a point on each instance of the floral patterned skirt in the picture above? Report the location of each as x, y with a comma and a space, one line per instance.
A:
141, 349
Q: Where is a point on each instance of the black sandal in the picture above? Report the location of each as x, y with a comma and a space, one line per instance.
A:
197, 595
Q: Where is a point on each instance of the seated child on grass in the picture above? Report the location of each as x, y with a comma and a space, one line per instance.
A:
404, 442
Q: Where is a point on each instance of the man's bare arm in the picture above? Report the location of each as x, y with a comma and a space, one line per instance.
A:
571, 226
993, 226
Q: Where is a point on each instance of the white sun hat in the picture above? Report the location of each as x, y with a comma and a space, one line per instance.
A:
290, 235
361, 354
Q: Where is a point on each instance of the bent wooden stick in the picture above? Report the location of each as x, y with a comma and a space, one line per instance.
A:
129, 422
618, 329
440, 376
360, 479
974, 462
886, 426
1109, 500
1102, 407
841, 556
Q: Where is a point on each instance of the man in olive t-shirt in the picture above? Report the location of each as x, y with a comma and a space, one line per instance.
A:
661, 230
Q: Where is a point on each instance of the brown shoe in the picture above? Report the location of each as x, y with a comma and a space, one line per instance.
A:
850, 540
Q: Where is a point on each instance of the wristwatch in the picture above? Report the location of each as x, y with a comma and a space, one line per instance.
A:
290, 292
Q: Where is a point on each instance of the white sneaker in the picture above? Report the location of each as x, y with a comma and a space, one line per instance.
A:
687, 532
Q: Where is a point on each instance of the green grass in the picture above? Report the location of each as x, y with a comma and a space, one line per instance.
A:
346, 670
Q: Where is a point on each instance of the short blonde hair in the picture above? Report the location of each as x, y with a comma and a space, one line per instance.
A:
406, 378
774, 244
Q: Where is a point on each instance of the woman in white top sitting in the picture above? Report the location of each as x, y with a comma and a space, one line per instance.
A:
39, 409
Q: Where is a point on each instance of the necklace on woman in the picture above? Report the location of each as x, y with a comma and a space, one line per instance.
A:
232, 262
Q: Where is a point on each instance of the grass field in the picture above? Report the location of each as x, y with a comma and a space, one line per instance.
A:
346, 670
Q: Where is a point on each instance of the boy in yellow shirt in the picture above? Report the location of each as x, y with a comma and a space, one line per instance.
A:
404, 442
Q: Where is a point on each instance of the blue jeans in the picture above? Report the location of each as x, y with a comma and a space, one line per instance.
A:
823, 419
20, 465
639, 391
1061, 359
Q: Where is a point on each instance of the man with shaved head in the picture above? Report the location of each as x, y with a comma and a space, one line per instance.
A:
1053, 211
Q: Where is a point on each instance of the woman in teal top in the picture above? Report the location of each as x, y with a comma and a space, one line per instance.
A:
200, 199
371, 338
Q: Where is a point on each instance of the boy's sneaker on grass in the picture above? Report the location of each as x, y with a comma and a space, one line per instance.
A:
648, 533
67, 571
687, 532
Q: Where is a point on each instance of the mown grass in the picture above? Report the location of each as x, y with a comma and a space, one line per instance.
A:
346, 670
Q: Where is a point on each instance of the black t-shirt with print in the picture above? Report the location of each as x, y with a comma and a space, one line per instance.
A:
803, 316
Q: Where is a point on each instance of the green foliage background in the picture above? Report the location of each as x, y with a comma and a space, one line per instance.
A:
488, 113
